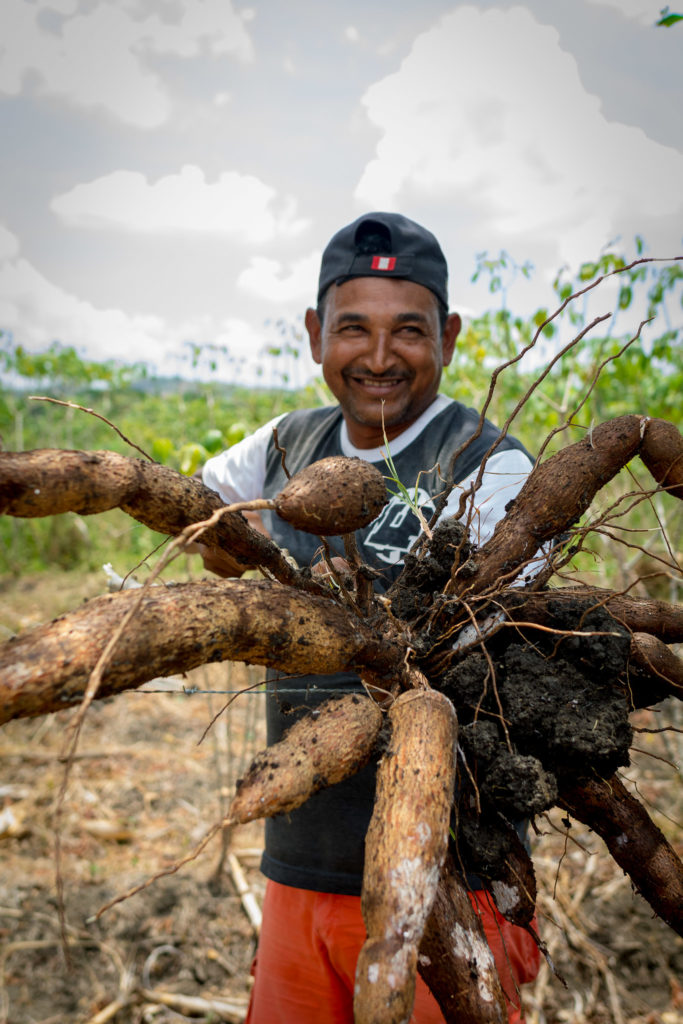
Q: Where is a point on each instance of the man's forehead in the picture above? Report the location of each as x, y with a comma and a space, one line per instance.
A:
369, 294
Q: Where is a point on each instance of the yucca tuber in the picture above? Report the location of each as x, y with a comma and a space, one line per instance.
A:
319, 750
404, 850
333, 496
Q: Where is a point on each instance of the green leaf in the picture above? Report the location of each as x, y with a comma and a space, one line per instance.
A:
162, 447
625, 296
668, 20
213, 441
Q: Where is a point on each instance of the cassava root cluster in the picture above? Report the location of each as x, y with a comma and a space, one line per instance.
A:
541, 682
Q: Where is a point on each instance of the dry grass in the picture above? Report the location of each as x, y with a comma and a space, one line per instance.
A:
142, 793
621, 963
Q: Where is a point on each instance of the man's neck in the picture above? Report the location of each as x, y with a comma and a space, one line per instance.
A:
401, 438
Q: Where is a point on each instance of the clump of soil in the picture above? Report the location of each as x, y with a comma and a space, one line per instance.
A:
555, 710
426, 573
537, 708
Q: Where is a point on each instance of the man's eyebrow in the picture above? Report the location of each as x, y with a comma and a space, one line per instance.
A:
400, 318
403, 318
348, 318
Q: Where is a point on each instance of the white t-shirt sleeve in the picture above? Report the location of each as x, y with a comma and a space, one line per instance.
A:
504, 476
238, 473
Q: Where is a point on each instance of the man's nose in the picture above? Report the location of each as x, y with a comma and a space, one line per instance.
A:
380, 355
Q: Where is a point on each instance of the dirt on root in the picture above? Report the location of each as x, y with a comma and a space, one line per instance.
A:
142, 793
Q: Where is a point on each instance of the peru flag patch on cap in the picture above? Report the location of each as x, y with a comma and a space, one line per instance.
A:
383, 262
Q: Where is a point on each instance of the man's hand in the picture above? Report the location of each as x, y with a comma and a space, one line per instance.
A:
321, 569
218, 561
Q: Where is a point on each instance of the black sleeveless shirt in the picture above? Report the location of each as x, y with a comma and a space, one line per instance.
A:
320, 846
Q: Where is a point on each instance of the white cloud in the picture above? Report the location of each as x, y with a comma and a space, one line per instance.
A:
267, 279
351, 33
488, 111
235, 204
9, 243
97, 59
64, 7
213, 25
644, 11
39, 312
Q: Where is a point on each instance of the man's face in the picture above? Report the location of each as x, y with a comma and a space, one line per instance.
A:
381, 351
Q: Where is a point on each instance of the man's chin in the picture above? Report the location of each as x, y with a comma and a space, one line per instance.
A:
381, 412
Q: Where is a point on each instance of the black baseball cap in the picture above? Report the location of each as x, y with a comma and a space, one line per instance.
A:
385, 245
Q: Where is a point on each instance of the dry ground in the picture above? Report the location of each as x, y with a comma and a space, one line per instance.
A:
142, 793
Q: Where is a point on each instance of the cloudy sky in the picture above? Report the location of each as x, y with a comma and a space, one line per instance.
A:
171, 169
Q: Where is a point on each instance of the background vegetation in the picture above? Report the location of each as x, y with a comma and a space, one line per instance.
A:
180, 423
145, 789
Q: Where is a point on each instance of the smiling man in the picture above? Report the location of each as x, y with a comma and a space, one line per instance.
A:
382, 333
382, 339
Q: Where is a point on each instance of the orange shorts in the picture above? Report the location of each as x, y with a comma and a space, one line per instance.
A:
305, 965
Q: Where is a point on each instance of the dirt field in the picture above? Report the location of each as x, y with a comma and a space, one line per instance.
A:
142, 793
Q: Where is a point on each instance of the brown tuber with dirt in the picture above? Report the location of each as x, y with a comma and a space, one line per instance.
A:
454, 957
320, 749
333, 496
49, 481
560, 490
634, 841
47, 668
404, 849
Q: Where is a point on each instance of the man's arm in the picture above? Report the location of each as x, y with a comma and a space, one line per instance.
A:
236, 474
504, 476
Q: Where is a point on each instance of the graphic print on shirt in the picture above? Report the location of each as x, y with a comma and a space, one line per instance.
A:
397, 528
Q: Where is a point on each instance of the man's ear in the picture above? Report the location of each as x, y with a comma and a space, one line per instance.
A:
314, 328
449, 337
